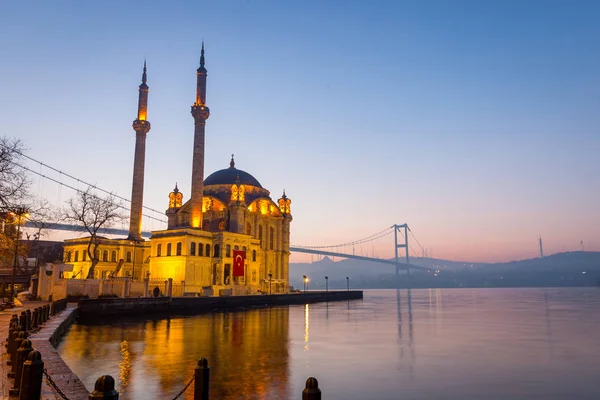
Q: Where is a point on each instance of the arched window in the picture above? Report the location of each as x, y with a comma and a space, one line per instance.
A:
244, 250
76, 256
271, 237
105, 255
216, 250
68, 256
253, 255
178, 248
248, 229
168, 249
260, 234
113, 256
128, 259
158, 250
200, 247
207, 250
227, 251
192, 249
84, 256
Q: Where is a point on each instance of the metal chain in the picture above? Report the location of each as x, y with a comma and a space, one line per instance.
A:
51, 383
185, 388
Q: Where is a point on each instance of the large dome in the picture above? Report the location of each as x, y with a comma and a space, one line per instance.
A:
229, 176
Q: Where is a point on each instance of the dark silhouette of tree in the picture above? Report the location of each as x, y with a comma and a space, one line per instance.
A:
92, 213
14, 182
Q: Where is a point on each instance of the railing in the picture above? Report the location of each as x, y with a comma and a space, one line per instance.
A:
27, 367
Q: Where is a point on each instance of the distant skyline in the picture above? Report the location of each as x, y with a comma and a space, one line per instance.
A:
477, 123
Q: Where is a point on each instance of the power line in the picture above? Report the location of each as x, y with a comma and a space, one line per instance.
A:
81, 191
76, 179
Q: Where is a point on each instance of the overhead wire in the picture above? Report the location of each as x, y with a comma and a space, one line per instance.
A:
76, 179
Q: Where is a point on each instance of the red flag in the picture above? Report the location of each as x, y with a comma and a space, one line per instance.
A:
238, 262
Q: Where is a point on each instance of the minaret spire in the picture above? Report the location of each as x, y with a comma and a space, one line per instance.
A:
141, 126
200, 112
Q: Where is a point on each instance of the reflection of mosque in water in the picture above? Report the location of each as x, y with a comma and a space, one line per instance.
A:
247, 353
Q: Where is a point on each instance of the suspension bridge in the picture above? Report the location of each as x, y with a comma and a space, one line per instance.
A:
357, 249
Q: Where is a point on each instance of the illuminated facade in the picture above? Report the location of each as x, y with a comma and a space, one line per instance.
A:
228, 211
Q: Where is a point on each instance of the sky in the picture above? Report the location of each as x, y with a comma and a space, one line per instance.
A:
475, 122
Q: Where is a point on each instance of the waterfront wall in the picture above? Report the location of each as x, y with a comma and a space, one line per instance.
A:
90, 308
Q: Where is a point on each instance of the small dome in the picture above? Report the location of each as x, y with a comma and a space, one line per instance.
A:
231, 175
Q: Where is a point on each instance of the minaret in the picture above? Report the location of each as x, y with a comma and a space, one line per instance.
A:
200, 113
141, 127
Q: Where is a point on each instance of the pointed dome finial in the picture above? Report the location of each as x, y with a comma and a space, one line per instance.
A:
176, 190
232, 162
284, 196
144, 73
202, 55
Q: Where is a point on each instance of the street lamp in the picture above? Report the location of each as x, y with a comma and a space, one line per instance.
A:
19, 213
270, 276
348, 283
305, 283
327, 284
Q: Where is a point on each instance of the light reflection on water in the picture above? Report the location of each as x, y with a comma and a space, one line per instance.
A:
394, 344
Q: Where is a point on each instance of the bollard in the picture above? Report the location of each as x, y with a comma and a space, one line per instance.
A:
11, 339
202, 379
34, 319
104, 389
31, 378
13, 355
23, 320
47, 311
22, 354
311, 391
52, 308
39, 316
28, 313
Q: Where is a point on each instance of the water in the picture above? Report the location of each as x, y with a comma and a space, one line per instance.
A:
418, 344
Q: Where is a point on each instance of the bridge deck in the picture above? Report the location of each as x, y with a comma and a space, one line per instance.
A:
355, 257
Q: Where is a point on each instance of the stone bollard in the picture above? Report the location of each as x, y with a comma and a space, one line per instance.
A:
28, 313
31, 378
11, 339
22, 354
104, 389
202, 379
40, 318
47, 306
311, 391
23, 320
34, 319
13, 367
52, 312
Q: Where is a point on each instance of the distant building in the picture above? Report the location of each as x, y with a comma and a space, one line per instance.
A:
230, 237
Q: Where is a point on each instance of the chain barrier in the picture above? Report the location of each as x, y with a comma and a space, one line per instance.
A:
185, 388
53, 384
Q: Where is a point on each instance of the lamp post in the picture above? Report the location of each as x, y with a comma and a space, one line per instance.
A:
305, 283
327, 284
348, 283
270, 276
19, 212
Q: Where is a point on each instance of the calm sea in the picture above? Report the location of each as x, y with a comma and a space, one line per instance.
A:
393, 344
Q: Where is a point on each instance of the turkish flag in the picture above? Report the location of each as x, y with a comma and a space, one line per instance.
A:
238, 262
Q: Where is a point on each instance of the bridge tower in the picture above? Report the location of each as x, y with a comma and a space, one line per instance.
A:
399, 228
200, 112
141, 126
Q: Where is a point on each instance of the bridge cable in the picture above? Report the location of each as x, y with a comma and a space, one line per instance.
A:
373, 237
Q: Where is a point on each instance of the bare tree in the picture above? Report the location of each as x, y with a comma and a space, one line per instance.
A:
93, 213
14, 182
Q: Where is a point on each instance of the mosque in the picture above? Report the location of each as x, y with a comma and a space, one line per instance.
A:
228, 238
